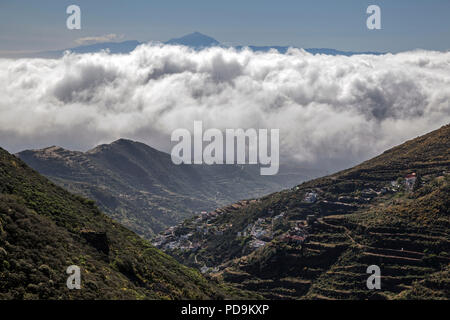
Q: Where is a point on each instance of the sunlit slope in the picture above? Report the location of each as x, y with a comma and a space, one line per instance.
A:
391, 211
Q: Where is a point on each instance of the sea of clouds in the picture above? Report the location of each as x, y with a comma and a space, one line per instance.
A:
332, 111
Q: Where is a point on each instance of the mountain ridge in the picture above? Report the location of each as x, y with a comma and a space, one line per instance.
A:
141, 187
195, 40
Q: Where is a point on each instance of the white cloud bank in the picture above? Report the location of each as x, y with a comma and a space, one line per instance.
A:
332, 111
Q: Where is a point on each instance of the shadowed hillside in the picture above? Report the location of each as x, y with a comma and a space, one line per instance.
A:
44, 229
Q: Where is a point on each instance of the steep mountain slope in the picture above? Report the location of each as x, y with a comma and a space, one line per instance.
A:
316, 240
141, 187
44, 229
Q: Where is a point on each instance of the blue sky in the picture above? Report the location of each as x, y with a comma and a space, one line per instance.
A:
406, 24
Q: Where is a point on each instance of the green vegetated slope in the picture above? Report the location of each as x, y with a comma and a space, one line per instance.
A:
141, 188
316, 240
44, 229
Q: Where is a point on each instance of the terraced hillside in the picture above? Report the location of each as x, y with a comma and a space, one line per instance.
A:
44, 229
141, 188
316, 240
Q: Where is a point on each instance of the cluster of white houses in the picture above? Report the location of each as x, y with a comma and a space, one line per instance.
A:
261, 231
408, 182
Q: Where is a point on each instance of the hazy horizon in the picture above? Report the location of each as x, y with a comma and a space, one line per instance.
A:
406, 25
